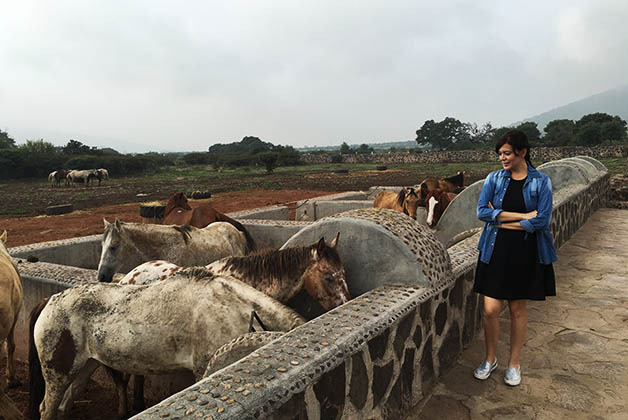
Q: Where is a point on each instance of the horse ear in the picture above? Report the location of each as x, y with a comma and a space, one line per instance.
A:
401, 197
118, 223
3, 237
106, 222
320, 246
334, 241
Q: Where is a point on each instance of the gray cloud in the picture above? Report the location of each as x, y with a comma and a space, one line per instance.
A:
184, 76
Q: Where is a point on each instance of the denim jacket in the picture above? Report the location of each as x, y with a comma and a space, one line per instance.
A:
537, 195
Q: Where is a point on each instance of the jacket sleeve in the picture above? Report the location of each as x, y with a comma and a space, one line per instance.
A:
485, 213
544, 209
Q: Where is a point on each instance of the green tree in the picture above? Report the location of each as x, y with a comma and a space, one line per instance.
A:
612, 130
75, 147
442, 135
38, 147
344, 148
6, 142
559, 133
364, 149
589, 134
531, 131
269, 159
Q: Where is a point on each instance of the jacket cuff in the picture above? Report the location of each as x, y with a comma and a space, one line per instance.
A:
527, 225
496, 213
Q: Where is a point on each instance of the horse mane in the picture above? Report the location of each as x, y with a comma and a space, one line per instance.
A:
273, 262
184, 230
197, 273
177, 200
401, 197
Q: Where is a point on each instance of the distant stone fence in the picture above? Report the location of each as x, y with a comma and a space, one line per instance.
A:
544, 154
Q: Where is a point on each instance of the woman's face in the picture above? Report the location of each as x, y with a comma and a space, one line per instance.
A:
511, 160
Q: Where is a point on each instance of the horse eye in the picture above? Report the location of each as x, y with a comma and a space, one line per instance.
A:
329, 278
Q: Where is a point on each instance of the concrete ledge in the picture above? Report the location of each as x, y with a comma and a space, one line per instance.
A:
306, 206
316, 210
266, 213
83, 252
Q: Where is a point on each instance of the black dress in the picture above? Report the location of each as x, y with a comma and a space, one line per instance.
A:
514, 271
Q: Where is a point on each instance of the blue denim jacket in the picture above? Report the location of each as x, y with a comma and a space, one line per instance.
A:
537, 195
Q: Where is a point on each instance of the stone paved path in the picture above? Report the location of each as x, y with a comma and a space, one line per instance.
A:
575, 359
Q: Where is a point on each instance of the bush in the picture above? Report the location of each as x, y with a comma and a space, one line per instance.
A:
336, 158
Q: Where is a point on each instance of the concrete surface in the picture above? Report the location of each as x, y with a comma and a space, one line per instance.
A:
575, 360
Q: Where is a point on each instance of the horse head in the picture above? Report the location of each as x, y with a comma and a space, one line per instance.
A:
112, 248
325, 280
177, 200
437, 201
411, 202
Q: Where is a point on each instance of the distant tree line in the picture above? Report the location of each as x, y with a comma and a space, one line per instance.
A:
250, 151
37, 158
590, 130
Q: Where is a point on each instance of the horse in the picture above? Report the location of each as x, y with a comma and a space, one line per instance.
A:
126, 245
437, 201
280, 274
84, 176
179, 212
168, 327
10, 305
406, 201
104, 174
453, 184
51, 178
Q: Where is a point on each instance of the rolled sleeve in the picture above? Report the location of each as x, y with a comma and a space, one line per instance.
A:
527, 225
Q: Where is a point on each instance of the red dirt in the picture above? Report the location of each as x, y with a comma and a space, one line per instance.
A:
28, 230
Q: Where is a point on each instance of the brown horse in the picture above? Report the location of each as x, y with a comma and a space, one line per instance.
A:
453, 184
406, 201
179, 212
437, 201
10, 305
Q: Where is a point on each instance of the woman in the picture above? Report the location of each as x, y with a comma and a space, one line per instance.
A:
516, 248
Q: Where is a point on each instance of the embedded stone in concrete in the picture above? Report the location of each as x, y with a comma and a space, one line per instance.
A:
427, 364
441, 317
359, 381
461, 214
381, 378
403, 331
450, 348
381, 246
378, 345
330, 392
407, 373
456, 295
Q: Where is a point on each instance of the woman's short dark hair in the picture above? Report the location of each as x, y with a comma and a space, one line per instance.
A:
518, 140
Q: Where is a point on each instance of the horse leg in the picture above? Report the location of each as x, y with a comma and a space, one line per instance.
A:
138, 393
12, 379
76, 388
121, 380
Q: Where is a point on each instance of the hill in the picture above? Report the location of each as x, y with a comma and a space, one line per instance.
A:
613, 102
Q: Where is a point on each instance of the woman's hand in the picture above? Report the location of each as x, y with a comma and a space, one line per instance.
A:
530, 215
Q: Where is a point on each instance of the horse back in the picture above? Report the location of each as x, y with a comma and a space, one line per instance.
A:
387, 200
179, 216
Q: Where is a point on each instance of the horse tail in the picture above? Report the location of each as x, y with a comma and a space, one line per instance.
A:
250, 243
36, 383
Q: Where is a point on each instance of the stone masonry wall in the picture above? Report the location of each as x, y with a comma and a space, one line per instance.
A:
544, 154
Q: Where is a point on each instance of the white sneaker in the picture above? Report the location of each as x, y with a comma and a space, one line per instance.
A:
483, 371
513, 376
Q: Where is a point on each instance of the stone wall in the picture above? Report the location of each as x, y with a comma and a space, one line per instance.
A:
543, 154
373, 357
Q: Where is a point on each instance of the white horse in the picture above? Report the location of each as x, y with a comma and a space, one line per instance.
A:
10, 305
85, 175
127, 245
168, 327
103, 173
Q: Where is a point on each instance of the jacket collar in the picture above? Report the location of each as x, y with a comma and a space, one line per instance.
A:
532, 173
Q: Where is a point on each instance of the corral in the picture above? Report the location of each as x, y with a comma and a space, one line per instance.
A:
412, 313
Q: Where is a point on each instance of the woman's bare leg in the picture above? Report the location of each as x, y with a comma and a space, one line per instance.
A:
518, 329
492, 308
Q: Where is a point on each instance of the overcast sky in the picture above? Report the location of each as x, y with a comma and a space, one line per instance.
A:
181, 76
